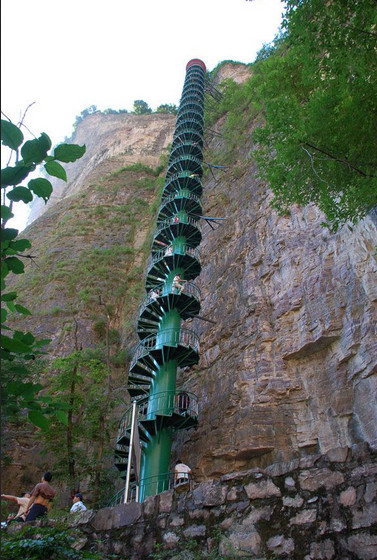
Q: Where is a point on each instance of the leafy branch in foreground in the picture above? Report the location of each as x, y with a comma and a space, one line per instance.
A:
18, 348
318, 92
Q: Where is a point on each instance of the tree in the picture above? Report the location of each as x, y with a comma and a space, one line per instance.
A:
19, 391
141, 107
110, 111
84, 381
318, 90
167, 108
84, 113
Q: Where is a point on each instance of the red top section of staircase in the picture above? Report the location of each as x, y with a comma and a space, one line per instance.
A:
196, 61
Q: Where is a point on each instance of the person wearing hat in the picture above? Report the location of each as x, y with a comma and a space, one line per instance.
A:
77, 503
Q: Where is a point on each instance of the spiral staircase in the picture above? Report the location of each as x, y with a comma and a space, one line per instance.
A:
164, 344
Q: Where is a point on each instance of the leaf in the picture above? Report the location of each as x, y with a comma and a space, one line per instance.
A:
11, 135
54, 168
34, 151
38, 419
14, 175
18, 369
62, 416
20, 193
7, 234
41, 187
4, 272
20, 245
6, 213
10, 296
21, 309
14, 265
13, 345
42, 342
26, 390
10, 306
4, 315
26, 338
69, 152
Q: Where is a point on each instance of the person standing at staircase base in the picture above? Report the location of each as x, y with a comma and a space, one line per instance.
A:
181, 473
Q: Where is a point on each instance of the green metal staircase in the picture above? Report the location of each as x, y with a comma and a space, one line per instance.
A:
164, 344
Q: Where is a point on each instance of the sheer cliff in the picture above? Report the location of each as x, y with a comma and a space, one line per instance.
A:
288, 351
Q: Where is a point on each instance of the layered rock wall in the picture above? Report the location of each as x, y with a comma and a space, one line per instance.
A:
317, 508
111, 141
289, 367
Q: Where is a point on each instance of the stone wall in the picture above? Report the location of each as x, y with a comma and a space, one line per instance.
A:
321, 507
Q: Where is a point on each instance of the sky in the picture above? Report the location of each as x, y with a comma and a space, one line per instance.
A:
62, 57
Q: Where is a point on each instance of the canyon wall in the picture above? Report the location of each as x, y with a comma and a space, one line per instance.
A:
289, 348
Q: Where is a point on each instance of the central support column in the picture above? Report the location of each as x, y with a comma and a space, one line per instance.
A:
155, 464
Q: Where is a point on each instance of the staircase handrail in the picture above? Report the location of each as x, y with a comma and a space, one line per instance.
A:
179, 194
189, 288
185, 250
188, 220
172, 401
183, 337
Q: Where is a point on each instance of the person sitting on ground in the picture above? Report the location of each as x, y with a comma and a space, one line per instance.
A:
177, 285
77, 504
22, 502
41, 498
181, 473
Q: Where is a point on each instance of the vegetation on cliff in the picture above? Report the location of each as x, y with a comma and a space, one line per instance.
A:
90, 257
316, 89
140, 107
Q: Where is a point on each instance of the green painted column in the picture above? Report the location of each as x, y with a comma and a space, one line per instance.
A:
179, 244
168, 332
155, 464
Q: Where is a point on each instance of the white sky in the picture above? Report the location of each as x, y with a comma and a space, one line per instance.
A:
66, 56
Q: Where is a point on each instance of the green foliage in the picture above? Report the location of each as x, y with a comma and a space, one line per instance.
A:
237, 105
318, 91
84, 113
141, 107
113, 111
83, 381
138, 168
167, 108
39, 543
191, 549
19, 392
80, 272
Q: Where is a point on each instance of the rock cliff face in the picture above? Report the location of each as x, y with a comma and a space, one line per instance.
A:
112, 141
288, 368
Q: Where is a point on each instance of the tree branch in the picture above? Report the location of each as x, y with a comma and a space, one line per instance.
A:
344, 161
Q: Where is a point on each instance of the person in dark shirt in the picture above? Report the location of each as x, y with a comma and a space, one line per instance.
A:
41, 498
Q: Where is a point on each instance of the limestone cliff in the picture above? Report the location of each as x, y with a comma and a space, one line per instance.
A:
288, 368
112, 141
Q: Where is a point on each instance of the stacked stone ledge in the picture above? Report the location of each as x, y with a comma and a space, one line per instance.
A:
315, 508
